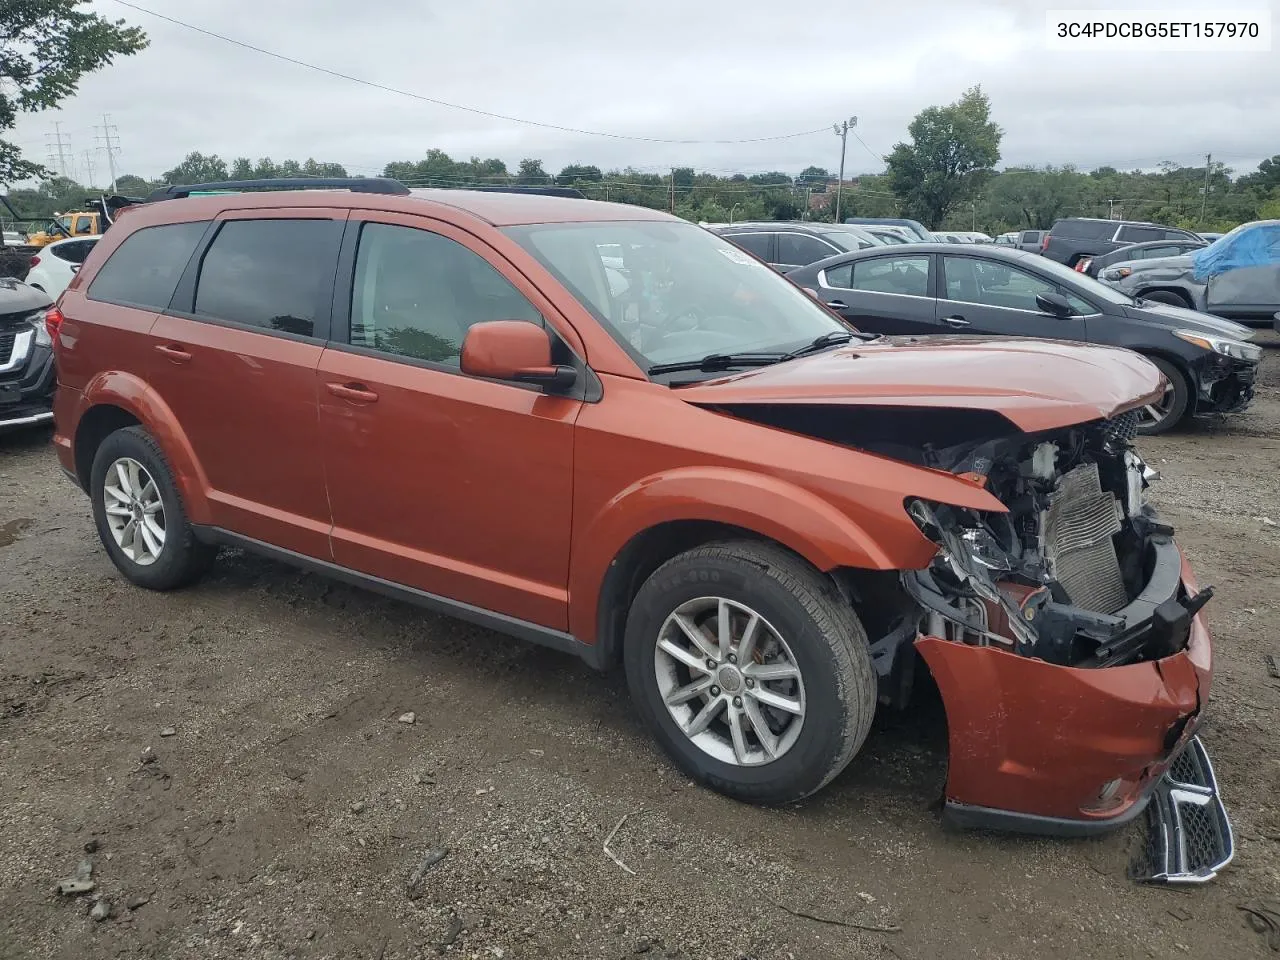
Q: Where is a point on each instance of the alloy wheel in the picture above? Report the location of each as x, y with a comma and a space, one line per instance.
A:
135, 511
729, 681
1157, 411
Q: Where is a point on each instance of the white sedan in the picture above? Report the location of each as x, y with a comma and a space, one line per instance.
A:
53, 266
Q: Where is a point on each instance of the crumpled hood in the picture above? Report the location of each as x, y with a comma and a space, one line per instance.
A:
1035, 384
18, 299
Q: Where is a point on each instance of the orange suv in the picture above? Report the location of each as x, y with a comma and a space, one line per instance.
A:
604, 429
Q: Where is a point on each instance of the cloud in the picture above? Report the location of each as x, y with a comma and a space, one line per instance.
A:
667, 69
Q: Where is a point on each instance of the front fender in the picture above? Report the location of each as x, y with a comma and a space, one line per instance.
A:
131, 394
765, 505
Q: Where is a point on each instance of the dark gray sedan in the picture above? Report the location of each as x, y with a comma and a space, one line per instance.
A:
940, 288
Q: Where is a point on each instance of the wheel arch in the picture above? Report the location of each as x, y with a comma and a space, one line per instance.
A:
113, 400
660, 518
1188, 301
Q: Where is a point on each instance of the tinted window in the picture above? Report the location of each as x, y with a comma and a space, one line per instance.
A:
756, 243
1029, 236
144, 270
73, 251
904, 275
417, 293
272, 274
969, 280
798, 249
1176, 235
1084, 229
1132, 234
1150, 252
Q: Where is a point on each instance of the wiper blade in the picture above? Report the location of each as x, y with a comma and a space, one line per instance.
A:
719, 361
831, 339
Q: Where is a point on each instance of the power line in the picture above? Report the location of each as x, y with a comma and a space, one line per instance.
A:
446, 103
874, 155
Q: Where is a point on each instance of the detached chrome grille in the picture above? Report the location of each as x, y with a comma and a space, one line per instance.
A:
1078, 527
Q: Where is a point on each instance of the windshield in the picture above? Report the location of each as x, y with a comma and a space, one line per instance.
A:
1081, 281
672, 292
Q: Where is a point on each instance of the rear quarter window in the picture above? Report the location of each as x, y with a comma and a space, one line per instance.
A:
144, 270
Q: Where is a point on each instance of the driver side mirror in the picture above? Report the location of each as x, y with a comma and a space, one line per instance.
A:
513, 350
1054, 304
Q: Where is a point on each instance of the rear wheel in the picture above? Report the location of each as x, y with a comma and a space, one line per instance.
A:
140, 516
1164, 414
1166, 296
750, 670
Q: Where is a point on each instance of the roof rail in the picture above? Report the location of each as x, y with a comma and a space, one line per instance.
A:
572, 192
383, 185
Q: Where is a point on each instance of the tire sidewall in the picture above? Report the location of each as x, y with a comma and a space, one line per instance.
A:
805, 765
169, 568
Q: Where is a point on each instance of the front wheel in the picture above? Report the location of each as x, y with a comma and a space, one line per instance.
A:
1162, 415
751, 671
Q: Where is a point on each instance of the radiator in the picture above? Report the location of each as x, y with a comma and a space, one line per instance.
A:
1078, 530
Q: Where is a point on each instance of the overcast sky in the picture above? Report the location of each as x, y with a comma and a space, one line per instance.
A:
666, 69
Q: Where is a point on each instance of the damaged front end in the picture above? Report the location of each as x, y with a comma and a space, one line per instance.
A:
1066, 641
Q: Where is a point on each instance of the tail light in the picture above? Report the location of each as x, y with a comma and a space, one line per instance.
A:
53, 323
1082, 266
35, 260
1044, 243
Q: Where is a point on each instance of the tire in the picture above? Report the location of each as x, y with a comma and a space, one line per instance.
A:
823, 641
181, 558
1174, 407
1167, 297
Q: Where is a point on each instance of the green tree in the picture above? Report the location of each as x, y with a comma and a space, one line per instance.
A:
130, 185
952, 152
197, 168
531, 173
1032, 199
812, 176
1265, 178
578, 173
46, 46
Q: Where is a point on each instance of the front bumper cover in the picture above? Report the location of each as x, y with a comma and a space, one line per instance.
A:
1038, 747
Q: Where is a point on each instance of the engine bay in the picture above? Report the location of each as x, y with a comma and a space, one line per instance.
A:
1079, 572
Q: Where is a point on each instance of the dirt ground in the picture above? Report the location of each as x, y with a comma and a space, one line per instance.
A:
284, 805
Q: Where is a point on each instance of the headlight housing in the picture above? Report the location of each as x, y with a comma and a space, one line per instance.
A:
1116, 273
1235, 349
42, 333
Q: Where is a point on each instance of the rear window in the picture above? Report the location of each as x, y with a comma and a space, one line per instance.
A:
144, 270
1084, 229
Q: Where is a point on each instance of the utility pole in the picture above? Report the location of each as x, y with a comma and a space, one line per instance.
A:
1204, 201
58, 148
671, 192
111, 143
88, 168
842, 131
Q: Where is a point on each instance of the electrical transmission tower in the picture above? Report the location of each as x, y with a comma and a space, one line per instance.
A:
111, 143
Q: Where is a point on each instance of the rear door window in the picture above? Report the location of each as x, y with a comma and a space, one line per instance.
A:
799, 250
754, 243
1085, 229
144, 270
275, 275
73, 251
901, 275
